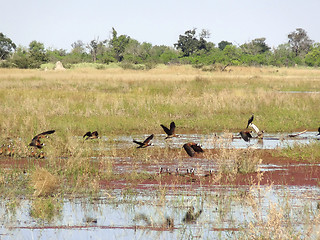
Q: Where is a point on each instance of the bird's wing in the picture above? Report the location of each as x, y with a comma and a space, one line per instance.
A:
41, 135
46, 133
255, 128
244, 136
148, 139
188, 149
137, 142
197, 148
172, 127
167, 131
88, 134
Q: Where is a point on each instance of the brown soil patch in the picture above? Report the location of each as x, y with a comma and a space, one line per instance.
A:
286, 172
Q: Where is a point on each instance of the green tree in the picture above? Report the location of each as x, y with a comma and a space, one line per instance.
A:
78, 53
282, 56
300, 42
78, 47
6, 46
232, 55
256, 46
118, 45
187, 43
163, 54
223, 44
20, 58
37, 54
55, 55
312, 58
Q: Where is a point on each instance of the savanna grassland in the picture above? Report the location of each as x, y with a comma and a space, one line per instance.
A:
116, 101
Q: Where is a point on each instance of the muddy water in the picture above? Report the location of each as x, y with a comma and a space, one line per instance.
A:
227, 211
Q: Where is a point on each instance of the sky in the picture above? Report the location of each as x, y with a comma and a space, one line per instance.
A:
57, 24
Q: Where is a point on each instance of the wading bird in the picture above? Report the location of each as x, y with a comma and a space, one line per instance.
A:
35, 142
246, 135
250, 120
91, 135
145, 143
192, 148
170, 132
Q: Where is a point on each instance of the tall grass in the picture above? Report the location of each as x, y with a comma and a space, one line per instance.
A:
125, 101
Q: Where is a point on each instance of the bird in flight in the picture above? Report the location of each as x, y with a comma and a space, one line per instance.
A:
35, 142
170, 132
192, 148
91, 135
145, 143
246, 135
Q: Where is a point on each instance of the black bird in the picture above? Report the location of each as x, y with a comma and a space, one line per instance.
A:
250, 120
170, 132
246, 135
318, 131
192, 148
35, 142
145, 143
191, 215
91, 135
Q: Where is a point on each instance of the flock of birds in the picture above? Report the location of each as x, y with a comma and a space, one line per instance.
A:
191, 148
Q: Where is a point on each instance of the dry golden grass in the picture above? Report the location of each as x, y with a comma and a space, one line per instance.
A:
44, 182
116, 101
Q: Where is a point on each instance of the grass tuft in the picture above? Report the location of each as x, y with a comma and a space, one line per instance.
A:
44, 183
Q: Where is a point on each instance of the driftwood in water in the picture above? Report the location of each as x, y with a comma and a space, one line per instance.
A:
297, 134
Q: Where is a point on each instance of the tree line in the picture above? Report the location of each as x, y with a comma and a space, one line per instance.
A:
191, 48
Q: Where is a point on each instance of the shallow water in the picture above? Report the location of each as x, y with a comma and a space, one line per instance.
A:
226, 210
210, 141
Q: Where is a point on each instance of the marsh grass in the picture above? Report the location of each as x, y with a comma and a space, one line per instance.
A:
301, 152
233, 161
46, 208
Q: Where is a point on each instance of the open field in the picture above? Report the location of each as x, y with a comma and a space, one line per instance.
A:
116, 101
263, 189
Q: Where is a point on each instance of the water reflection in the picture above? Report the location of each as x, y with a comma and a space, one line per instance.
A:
224, 212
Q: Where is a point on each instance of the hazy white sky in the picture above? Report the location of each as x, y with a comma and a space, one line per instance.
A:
59, 23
